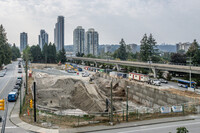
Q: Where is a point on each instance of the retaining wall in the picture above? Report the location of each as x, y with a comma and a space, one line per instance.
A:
149, 95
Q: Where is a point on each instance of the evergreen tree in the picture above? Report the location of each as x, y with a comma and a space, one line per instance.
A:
192, 49
15, 52
45, 53
36, 53
196, 58
121, 51
61, 57
144, 48
148, 49
5, 49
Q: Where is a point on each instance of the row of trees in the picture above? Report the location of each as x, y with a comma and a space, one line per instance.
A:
47, 55
148, 50
7, 52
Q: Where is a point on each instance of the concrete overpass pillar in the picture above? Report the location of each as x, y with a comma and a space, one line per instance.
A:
96, 64
118, 68
83, 63
154, 72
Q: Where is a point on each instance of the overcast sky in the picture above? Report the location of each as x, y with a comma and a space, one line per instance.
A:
170, 21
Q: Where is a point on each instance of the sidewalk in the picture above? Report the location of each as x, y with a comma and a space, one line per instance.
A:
14, 118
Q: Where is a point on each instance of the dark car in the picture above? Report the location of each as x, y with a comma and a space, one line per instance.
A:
18, 83
16, 87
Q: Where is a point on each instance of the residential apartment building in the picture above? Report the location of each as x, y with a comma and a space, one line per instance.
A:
23, 41
42, 38
91, 42
79, 40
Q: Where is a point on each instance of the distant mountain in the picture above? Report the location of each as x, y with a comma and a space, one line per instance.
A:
113, 47
163, 48
167, 48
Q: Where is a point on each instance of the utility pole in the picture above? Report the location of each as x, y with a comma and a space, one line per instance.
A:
127, 101
190, 72
20, 111
26, 75
111, 102
34, 85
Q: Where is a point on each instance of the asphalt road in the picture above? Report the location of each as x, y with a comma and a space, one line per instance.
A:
192, 126
6, 85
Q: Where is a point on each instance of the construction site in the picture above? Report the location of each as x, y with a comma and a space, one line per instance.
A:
70, 94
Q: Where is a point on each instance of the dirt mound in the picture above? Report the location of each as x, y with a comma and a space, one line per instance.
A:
65, 93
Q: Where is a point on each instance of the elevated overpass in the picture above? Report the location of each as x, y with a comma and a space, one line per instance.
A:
153, 66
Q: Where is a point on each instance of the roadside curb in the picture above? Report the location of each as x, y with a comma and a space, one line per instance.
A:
14, 118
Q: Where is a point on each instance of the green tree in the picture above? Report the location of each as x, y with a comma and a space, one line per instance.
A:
148, 49
51, 56
144, 48
182, 130
61, 57
196, 57
79, 54
178, 58
5, 49
27, 54
121, 51
36, 53
193, 48
15, 52
45, 53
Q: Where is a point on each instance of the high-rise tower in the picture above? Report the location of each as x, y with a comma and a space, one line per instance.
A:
42, 38
92, 42
79, 40
59, 33
23, 41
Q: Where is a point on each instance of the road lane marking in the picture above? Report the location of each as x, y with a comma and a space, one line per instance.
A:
10, 127
154, 128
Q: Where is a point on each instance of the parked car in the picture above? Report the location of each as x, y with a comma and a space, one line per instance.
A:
20, 78
16, 87
16, 90
19, 70
12, 96
18, 83
163, 81
154, 82
1, 74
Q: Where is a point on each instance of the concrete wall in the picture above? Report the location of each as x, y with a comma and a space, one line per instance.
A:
149, 95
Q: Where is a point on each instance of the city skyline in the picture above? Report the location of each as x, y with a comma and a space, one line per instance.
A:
169, 21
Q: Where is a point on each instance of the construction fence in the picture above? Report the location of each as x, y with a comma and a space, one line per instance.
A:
49, 119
